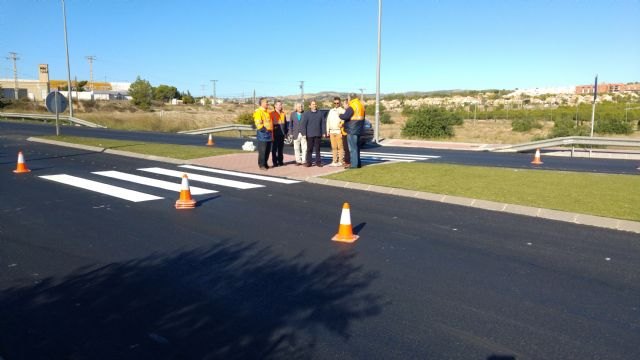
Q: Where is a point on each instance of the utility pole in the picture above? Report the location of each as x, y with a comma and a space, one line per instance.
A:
302, 94
254, 97
14, 56
362, 94
377, 127
90, 58
214, 91
66, 45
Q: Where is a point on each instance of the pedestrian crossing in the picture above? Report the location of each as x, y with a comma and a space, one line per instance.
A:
378, 157
122, 192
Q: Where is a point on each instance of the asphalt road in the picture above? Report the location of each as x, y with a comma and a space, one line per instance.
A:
253, 273
511, 160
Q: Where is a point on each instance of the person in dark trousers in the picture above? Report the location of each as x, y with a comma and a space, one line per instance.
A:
345, 144
279, 121
354, 123
314, 127
264, 132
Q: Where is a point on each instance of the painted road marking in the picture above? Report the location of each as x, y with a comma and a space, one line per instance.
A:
102, 188
167, 185
202, 178
366, 156
239, 174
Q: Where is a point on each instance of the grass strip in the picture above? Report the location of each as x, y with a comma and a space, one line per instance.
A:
183, 152
608, 195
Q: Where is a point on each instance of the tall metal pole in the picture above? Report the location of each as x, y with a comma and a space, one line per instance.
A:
302, 93
90, 58
14, 56
377, 128
593, 109
66, 45
213, 82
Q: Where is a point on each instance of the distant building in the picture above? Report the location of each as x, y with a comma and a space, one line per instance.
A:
29, 88
607, 88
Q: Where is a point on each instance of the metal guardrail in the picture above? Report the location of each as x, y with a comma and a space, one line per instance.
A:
232, 127
74, 120
569, 140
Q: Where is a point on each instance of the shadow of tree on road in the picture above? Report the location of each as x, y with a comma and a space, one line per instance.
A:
227, 301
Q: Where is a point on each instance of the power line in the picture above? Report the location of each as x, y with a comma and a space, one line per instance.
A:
214, 91
90, 58
302, 93
14, 56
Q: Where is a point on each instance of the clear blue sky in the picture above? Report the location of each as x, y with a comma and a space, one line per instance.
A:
330, 44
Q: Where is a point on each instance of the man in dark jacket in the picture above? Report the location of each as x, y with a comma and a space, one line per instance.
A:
313, 127
354, 123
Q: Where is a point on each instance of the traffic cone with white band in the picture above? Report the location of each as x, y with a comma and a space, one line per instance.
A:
22, 167
185, 201
536, 158
345, 232
210, 142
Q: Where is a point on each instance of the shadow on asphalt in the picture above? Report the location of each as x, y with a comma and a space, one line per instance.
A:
359, 227
228, 301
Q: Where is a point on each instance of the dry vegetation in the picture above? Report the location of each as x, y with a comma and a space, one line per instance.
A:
167, 118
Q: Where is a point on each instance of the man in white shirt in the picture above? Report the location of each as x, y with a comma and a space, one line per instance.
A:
334, 132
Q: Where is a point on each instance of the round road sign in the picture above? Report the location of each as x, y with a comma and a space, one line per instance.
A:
56, 102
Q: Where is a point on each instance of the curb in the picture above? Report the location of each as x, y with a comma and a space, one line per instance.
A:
549, 214
110, 151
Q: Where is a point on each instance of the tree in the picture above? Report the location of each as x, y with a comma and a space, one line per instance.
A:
165, 93
141, 93
431, 123
187, 98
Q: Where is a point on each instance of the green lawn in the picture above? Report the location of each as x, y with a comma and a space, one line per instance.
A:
183, 152
608, 195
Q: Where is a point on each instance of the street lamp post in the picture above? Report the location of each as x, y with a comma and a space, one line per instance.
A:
377, 128
66, 45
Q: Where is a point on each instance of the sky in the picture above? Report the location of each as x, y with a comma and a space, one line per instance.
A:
270, 46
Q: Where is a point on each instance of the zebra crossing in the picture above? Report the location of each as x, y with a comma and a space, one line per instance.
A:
379, 157
122, 192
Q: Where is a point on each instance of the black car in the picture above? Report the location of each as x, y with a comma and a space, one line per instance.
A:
365, 137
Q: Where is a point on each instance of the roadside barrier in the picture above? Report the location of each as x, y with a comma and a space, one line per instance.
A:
210, 142
345, 232
185, 201
536, 158
22, 167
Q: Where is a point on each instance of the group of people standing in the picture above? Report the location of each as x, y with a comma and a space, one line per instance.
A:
344, 125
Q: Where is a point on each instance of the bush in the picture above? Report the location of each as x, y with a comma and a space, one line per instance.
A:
245, 118
386, 119
565, 127
524, 125
431, 123
613, 126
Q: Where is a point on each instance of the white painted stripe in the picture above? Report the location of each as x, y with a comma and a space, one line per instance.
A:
239, 174
375, 158
167, 185
400, 155
345, 217
202, 178
102, 188
385, 156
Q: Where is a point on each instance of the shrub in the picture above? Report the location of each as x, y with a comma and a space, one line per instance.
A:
565, 127
245, 118
431, 123
613, 126
386, 119
524, 125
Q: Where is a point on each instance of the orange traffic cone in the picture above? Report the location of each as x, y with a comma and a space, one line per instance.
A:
185, 201
536, 158
210, 142
345, 232
21, 168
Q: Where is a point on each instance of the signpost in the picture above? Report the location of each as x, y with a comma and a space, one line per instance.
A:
56, 103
